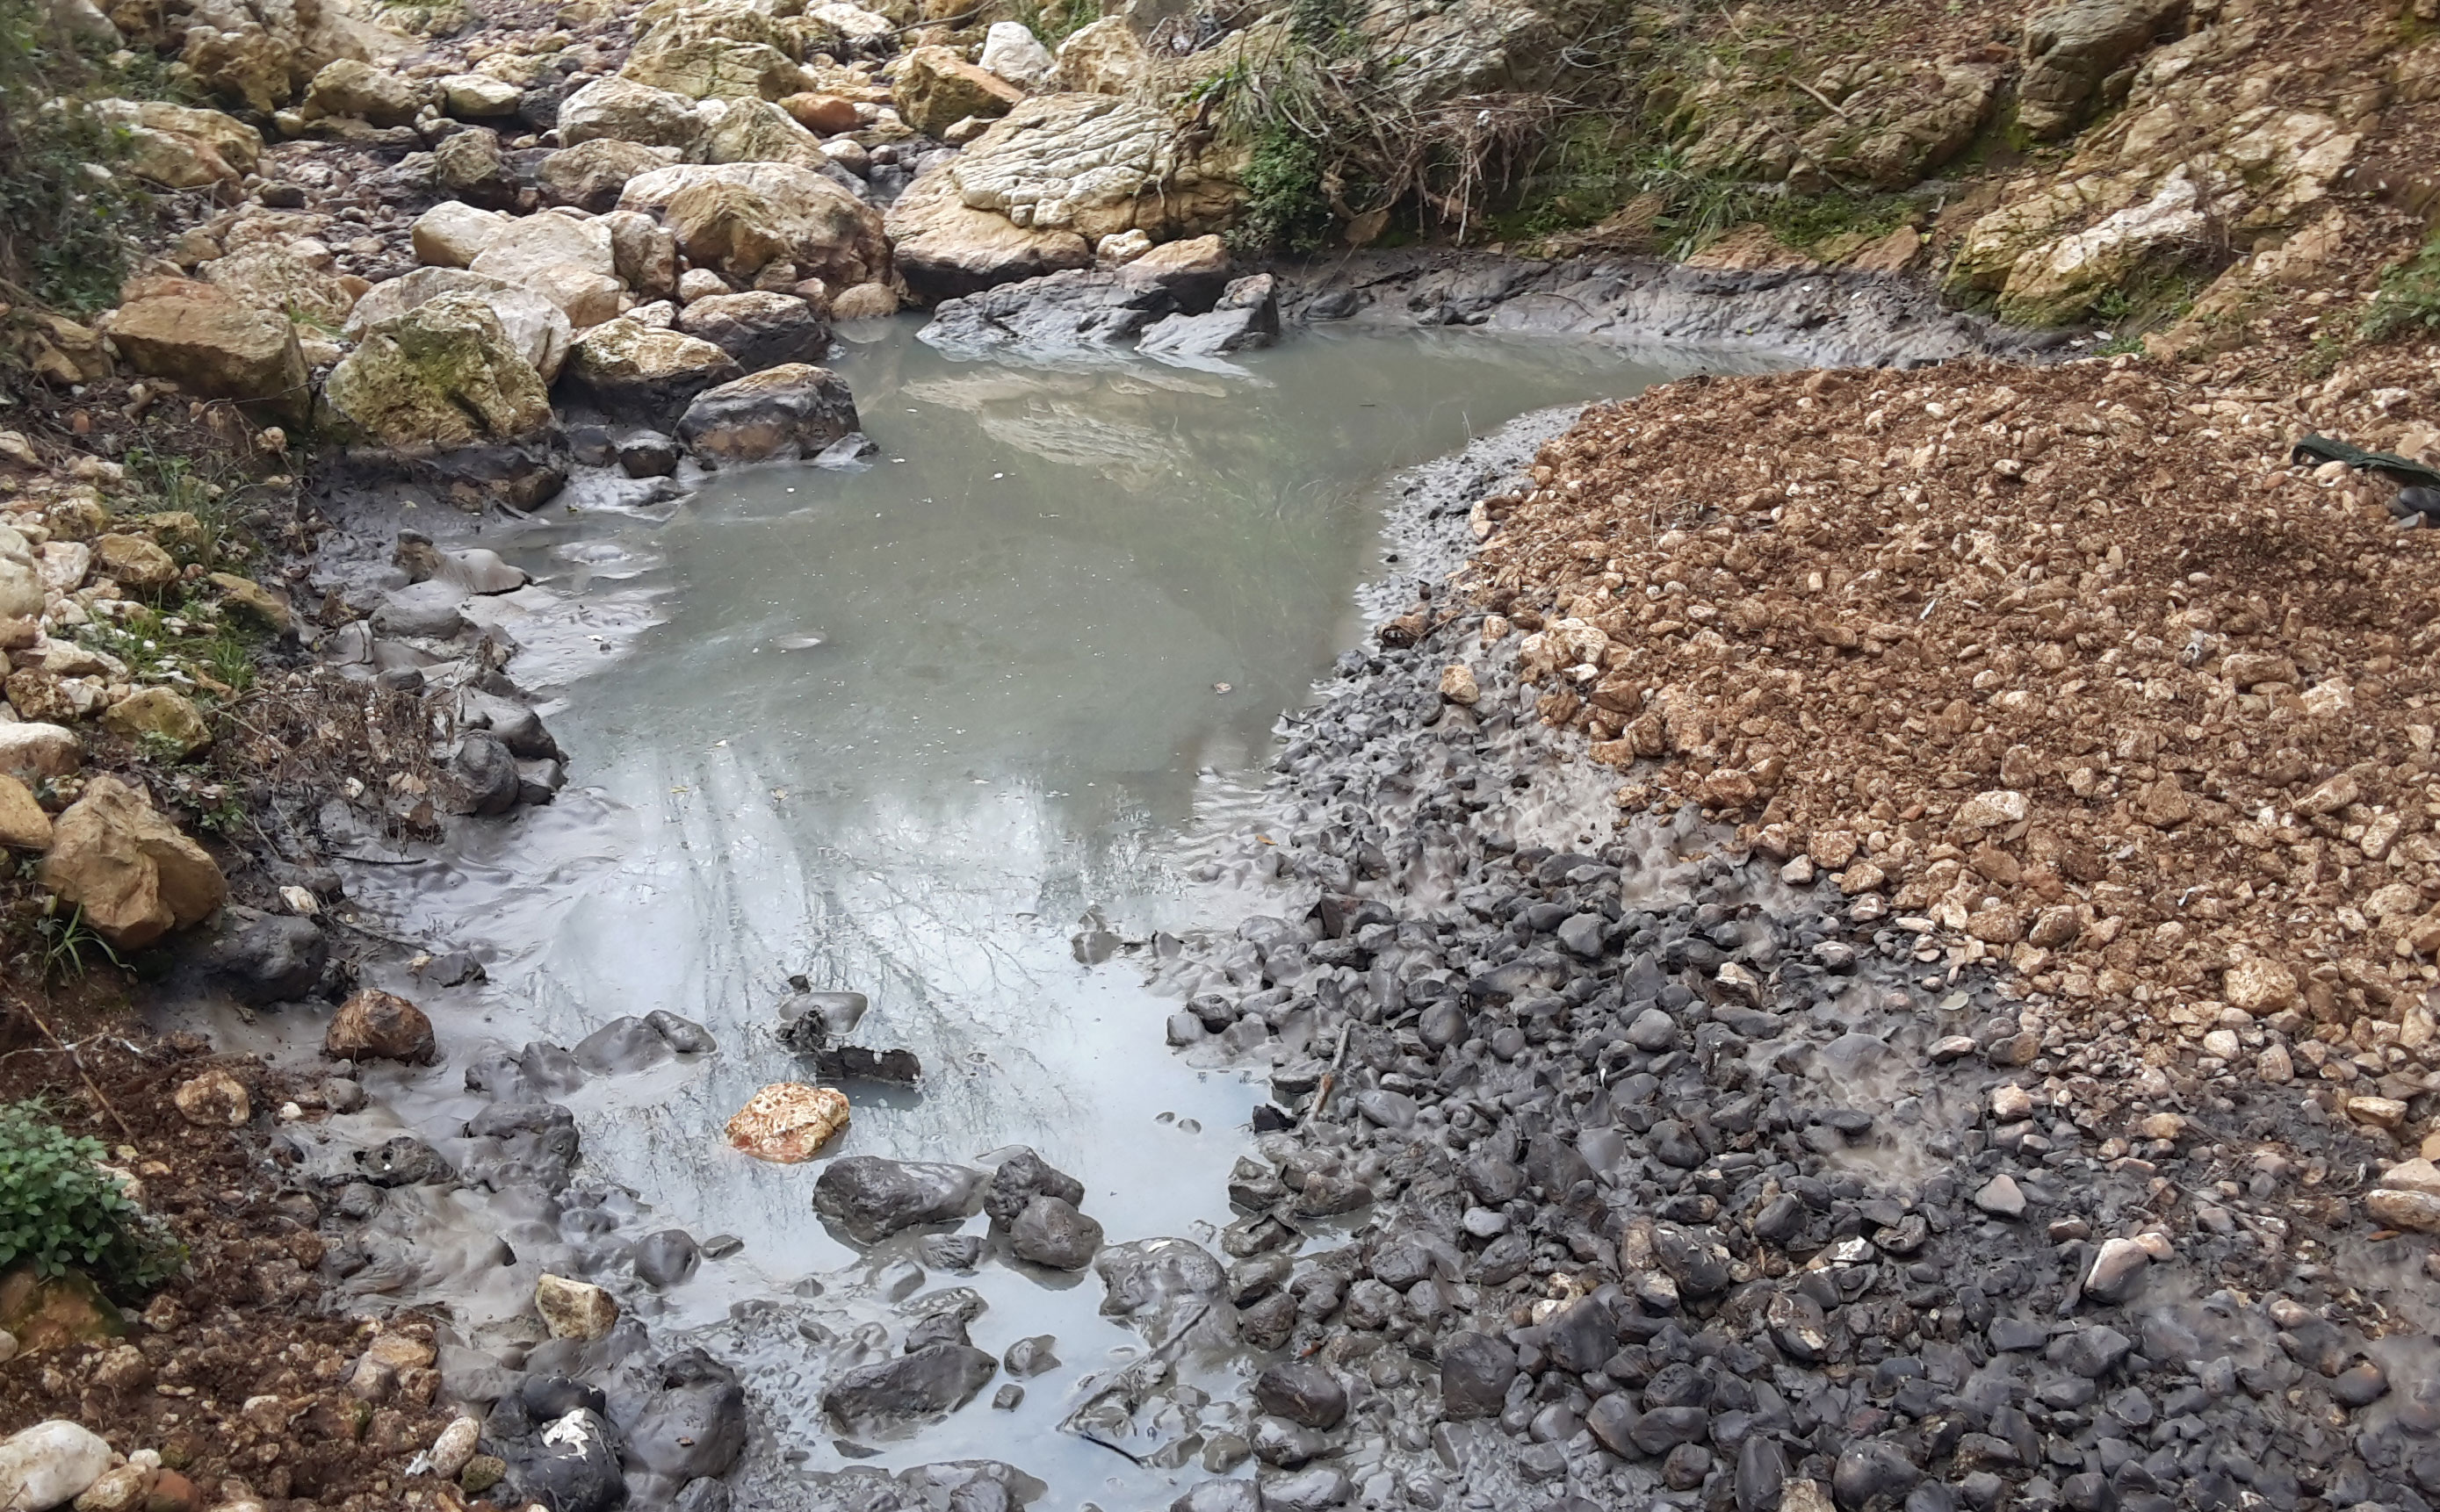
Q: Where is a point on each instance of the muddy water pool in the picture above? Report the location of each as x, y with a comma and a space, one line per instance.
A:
916, 730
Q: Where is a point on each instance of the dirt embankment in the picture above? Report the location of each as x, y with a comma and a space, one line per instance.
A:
2065, 668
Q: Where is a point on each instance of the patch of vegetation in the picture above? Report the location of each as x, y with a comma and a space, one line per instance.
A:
2408, 301
1813, 222
59, 1210
69, 943
67, 218
1284, 209
171, 647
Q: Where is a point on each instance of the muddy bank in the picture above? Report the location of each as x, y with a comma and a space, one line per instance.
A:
1815, 316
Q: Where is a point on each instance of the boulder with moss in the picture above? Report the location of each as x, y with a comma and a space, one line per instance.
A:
444, 374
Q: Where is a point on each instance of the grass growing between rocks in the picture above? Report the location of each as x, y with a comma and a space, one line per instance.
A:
2408, 301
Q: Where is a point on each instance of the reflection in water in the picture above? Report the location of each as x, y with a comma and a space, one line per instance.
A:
896, 730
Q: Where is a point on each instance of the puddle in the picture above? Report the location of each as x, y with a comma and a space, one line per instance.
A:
897, 730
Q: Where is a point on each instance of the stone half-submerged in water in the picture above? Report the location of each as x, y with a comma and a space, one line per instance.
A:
789, 1122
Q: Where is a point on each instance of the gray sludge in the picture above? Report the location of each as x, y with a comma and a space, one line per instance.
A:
1603, 1169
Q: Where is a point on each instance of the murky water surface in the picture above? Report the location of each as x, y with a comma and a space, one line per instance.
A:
897, 730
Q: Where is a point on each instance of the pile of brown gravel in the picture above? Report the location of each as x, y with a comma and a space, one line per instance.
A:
2066, 667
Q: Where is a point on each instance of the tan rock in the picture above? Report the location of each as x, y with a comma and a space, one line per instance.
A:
132, 873
453, 235
865, 301
2381, 1112
443, 374
216, 1100
23, 824
32, 752
1102, 58
822, 114
135, 562
623, 110
156, 719
375, 1025
936, 88
245, 599
741, 217
1458, 684
538, 329
213, 346
539, 242
298, 280
1994, 810
574, 1309
350, 86
2417, 1211
789, 1122
635, 372
2260, 987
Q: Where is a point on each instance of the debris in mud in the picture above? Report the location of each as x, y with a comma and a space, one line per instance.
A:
813, 1024
789, 1122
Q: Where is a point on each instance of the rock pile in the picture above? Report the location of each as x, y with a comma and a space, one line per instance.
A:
1663, 1176
1959, 642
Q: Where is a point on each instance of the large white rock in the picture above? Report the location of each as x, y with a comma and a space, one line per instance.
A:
1011, 51
453, 235
629, 112
50, 1464
528, 247
538, 329
33, 750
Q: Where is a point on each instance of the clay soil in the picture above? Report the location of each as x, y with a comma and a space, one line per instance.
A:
233, 1371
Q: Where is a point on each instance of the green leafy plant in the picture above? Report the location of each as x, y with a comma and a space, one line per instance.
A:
59, 1209
1283, 204
2407, 300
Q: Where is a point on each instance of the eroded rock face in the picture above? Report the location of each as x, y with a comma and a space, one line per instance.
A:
130, 871
715, 52
443, 374
792, 410
1035, 192
2212, 139
2070, 48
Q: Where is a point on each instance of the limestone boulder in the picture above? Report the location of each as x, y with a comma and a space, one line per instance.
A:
479, 97
756, 130
250, 603
822, 114
760, 328
790, 411
539, 330
789, 1122
23, 825
718, 55
244, 65
131, 872
592, 174
471, 167
744, 216
443, 374
630, 371
529, 246
296, 279
1034, 193
574, 1309
936, 88
621, 109
213, 346
352, 87
451, 235
1103, 58
180, 148
1012, 52
33, 751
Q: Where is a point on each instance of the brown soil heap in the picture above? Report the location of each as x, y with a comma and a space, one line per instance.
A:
2064, 666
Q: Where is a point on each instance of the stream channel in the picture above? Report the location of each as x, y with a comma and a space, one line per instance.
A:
914, 731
